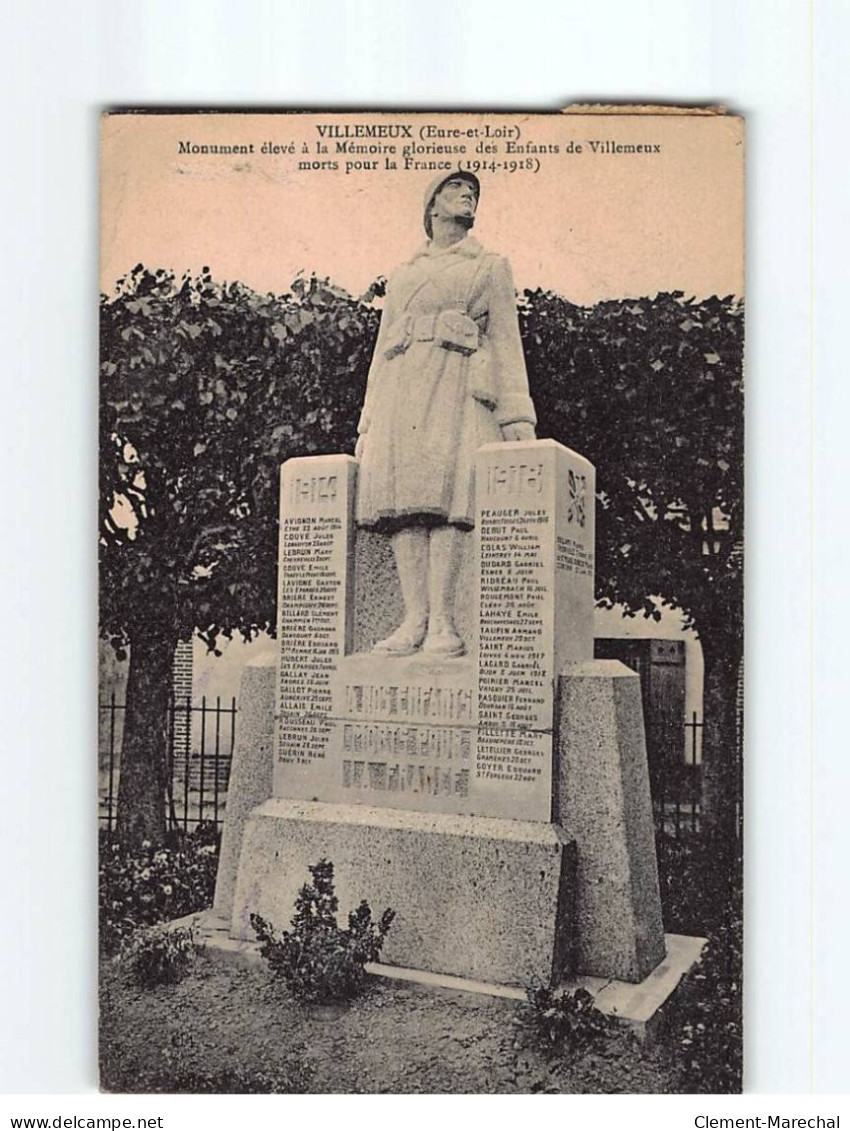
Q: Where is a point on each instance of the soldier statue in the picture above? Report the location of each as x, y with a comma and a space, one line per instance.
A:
448, 375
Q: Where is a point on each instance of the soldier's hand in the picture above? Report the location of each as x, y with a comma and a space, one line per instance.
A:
521, 430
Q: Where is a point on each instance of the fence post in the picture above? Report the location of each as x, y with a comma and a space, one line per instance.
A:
169, 774
111, 777
215, 759
187, 745
203, 760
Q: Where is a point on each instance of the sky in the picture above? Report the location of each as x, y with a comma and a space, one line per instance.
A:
590, 225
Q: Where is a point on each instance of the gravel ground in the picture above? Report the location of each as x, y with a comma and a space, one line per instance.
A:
229, 1028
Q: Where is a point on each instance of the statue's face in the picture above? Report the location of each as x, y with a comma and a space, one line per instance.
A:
456, 200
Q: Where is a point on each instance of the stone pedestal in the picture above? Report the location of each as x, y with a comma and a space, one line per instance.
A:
602, 797
436, 787
535, 542
251, 772
474, 897
470, 736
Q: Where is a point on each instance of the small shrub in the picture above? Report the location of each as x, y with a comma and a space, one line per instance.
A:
562, 1023
154, 884
320, 961
705, 1026
701, 885
159, 957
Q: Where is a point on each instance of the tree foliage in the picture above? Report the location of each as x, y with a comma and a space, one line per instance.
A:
651, 391
207, 388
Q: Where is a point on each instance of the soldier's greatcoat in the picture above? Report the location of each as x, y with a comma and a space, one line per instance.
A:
429, 407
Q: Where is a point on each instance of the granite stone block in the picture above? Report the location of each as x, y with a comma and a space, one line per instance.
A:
251, 771
475, 897
602, 800
535, 543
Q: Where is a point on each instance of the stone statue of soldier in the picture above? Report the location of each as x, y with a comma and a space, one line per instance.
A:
448, 375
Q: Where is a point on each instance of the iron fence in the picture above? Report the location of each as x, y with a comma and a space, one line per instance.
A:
676, 785
202, 736
201, 740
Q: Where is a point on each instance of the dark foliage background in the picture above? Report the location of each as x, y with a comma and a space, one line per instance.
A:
140, 887
208, 387
702, 896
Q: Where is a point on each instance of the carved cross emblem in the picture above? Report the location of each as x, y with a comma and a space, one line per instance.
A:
577, 510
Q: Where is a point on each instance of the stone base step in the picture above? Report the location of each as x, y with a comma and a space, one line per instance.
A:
639, 1006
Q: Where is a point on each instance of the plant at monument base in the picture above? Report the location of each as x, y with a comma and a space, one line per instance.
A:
151, 884
319, 961
556, 1022
160, 956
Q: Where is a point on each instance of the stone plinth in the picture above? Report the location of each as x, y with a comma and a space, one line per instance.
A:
474, 897
602, 798
535, 539
250, 781
475, 796
349, 729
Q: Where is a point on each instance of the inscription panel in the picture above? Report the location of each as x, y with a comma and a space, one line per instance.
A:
314, 616
535, 549
405, 730
510, 755
401, 699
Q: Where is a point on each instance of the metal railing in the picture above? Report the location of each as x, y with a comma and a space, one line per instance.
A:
201, 740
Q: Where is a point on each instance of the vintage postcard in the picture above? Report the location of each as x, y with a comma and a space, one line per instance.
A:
421, 601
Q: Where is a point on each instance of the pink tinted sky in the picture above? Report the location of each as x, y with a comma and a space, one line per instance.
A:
589, 226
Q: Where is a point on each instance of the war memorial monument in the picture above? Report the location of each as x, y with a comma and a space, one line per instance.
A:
434, 722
